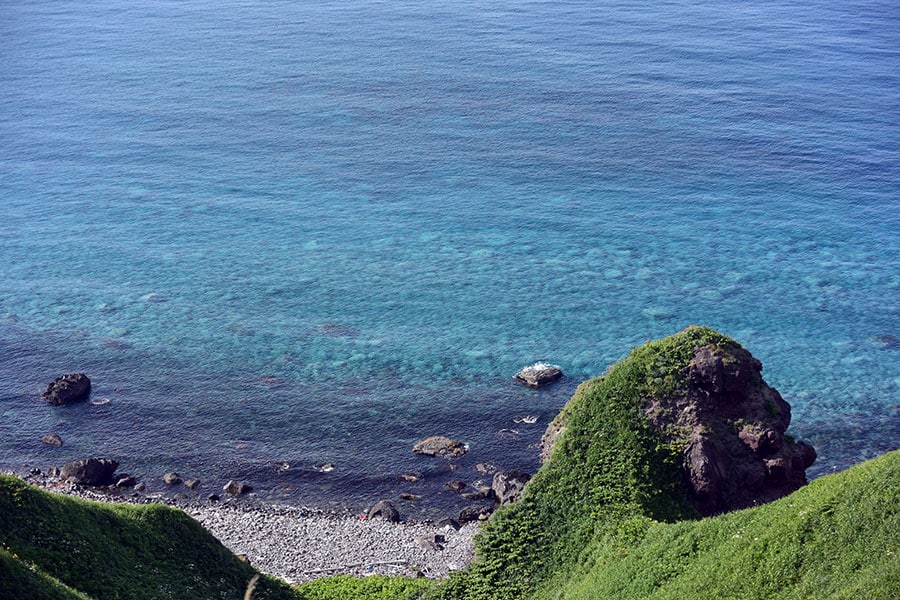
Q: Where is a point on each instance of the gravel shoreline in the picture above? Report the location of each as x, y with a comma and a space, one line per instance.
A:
298, 544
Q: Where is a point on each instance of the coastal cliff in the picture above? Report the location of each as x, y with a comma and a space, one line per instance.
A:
681, 428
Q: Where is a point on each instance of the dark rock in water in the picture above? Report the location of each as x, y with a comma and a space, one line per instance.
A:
439, 445
411, 477
52, 439
479, 494
887, 342
485, 468
140, 487
236, 488
191, 484
66, 389
385, 509
171, 478
213, 498
409, 497
89, 471
123, 480
508, 485
538, 374
456, 486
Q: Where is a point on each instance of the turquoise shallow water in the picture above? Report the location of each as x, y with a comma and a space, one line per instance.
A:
279, 234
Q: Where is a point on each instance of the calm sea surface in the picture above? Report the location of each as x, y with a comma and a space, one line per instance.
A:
283, 234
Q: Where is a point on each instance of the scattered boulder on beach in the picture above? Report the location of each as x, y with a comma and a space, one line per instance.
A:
236, 488
386, 510
439, 445
66, 389
448, 524
508, 485
89, 471
52, 439
539, 374
431, 542
474, 513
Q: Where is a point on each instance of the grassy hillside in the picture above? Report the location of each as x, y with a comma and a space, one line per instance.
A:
54, 547
838, 537
113, 551
607, 516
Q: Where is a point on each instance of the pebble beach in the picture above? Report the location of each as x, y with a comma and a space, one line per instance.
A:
298, 544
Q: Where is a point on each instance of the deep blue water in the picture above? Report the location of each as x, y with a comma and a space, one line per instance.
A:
315, 232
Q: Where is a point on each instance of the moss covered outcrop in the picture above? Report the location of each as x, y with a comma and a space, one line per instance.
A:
681, 428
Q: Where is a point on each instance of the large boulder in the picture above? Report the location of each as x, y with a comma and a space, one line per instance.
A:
439, 445
237, 488
386, 510
89, 471
508, 485
538, 374
728, 422
66, 389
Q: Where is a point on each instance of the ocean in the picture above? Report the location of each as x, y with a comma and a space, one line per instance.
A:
284, 235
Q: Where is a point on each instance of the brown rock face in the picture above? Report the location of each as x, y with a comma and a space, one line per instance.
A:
732, 423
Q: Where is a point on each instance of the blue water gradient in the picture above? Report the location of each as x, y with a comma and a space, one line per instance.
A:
279, 233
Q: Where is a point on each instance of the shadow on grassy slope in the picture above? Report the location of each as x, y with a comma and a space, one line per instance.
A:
118, 550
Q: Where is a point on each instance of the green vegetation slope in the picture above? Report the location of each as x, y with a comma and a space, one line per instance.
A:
606, 517
121, 551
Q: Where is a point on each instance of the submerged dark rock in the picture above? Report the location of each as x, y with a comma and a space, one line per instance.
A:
52, 439
89, 471
66, 389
